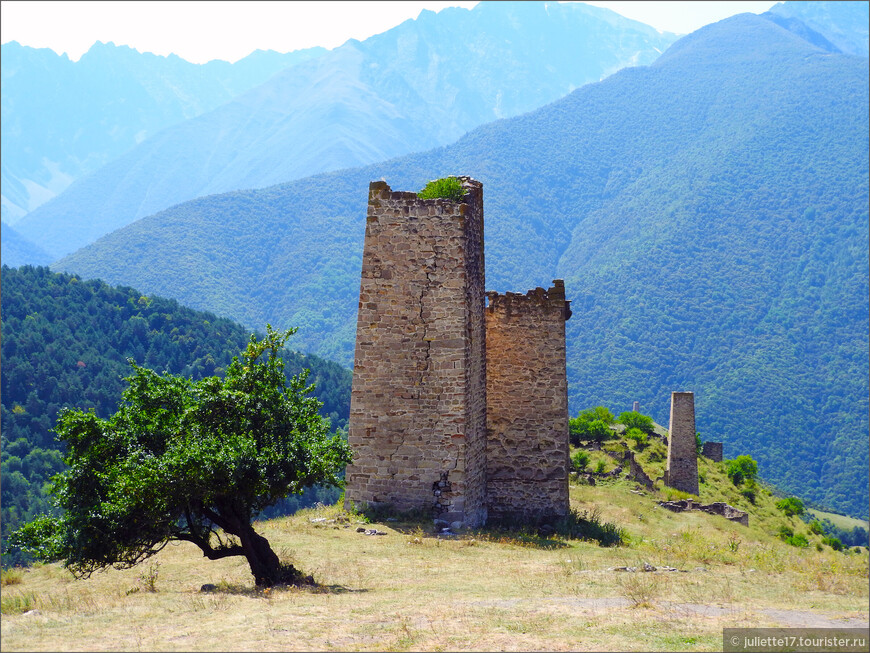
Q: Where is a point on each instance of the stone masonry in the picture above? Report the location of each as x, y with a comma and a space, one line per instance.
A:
713, 451
418, 400
419, 417
682, 468
527, 404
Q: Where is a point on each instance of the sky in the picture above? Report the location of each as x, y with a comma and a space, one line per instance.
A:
229, 30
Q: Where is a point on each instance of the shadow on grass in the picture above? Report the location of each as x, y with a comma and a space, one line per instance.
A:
540, 533
255, 592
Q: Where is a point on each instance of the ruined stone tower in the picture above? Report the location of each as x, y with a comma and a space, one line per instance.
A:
527, 404
428, 354
418, 400
682, 468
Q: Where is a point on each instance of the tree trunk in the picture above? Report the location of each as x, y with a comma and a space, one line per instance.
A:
264, 563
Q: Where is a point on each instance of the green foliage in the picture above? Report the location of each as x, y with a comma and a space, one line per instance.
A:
591, 424
791, 506
699, 445
816, 527
586, 526
187, 460
637, 436
599, 468
833, 542
741, 469
579, 460
634, 420
749, 490
66, 342
799, 540
447, 187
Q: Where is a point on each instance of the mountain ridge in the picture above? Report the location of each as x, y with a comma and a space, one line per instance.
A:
419, 85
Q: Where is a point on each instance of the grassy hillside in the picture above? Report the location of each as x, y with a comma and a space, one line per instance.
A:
412, 590
708, 213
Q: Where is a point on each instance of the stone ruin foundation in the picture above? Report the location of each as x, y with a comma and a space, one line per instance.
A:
681, 472
713, 451
456, 408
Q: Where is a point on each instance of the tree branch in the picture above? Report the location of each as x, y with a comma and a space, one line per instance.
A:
208, 551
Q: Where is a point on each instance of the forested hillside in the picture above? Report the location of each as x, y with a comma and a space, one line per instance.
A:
423, 83
708, 213
65, 344
64, 119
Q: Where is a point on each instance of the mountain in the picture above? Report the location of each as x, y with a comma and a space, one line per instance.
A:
66, 342
421, 84
16, 250
64, 119
844, 24
708, 214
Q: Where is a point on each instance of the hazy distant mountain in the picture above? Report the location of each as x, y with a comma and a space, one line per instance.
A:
842, 23
63, 119
16, 250
421, 84
709, 214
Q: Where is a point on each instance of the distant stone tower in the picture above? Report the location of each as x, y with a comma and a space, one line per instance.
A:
713, 451
527, 404
682, 468
418, 400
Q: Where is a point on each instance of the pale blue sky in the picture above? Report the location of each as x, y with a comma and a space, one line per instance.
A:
200, 31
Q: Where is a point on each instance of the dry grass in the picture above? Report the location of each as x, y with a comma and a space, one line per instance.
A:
409, 590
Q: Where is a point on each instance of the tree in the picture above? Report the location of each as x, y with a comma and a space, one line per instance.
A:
742, 468
791, 506
634, 419
188, 461
591, 424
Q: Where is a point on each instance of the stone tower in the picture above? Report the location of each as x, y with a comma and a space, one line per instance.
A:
682, 468
418, 400
527, 404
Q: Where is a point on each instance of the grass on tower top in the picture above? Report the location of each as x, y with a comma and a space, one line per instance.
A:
447, 187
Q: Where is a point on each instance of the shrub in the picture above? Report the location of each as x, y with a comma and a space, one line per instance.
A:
742, 468
585, 526
833, 542
599, 468
633, 419
447, 187
591, 424
750, 491
637, 436
11, 576
791, 506
816, 527
580, 460
799, 540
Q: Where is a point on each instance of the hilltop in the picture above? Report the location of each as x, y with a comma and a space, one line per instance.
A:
409, 589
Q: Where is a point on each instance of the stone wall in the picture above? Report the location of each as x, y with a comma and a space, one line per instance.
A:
418, 400
682, 468
527, 404
713, 451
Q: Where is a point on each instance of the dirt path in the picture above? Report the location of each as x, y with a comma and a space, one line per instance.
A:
781, 618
